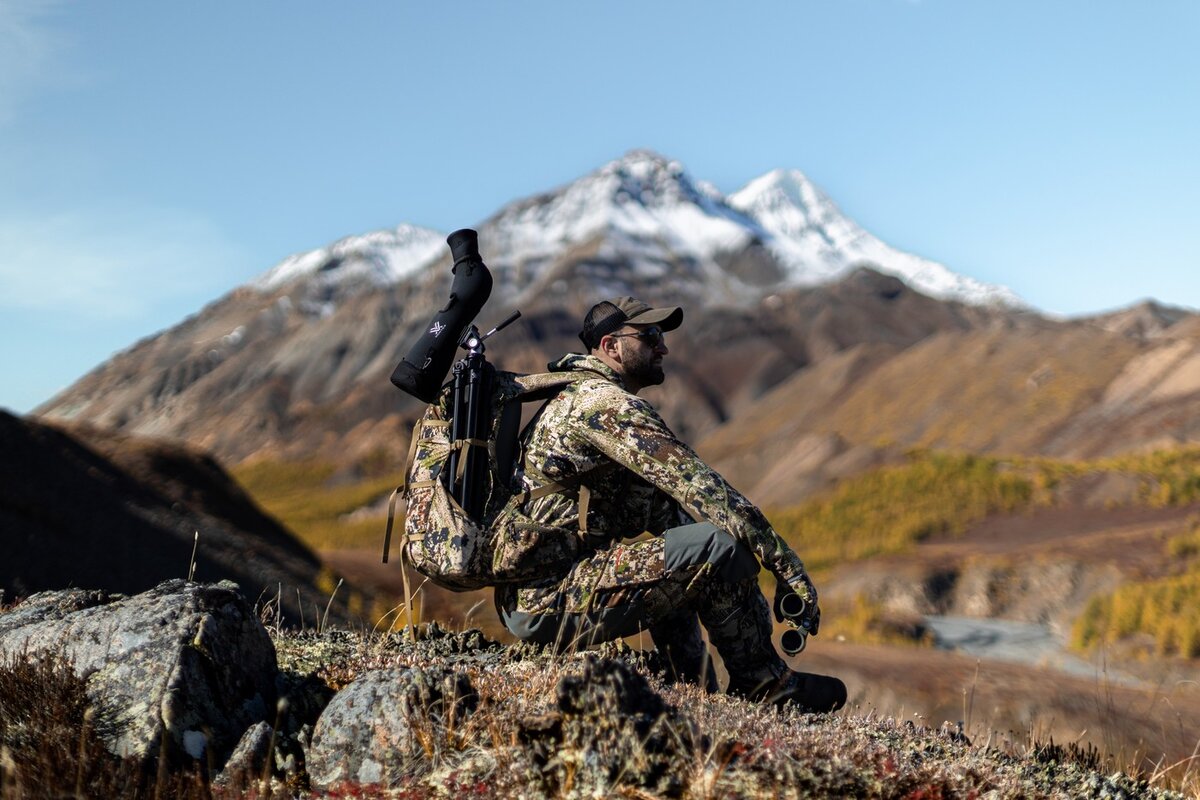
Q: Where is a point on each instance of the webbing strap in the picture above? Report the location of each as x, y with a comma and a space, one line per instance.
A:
387, 535
576, 482
387, 542
585, 498
463, 444
408, 609
542, 491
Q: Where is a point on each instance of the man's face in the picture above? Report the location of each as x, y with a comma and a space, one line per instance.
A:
642, 350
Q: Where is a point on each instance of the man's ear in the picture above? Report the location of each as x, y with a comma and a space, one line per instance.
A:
610, 347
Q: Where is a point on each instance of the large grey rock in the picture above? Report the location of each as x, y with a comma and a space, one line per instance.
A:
371, 732
184, 664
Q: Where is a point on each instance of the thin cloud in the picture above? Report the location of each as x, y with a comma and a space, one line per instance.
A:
28, 51
104, 267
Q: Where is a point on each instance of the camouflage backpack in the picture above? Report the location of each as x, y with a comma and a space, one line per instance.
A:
440, 539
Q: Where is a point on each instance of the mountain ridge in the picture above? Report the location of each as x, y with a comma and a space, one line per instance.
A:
295, 363
648, 204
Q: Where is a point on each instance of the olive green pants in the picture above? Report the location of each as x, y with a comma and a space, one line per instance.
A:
669, 585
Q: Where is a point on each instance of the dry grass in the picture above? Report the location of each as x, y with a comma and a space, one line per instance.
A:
713, 746
531, 738
50, 742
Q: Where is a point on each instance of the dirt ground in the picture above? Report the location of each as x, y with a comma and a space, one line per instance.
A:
1089, 533
1004, 702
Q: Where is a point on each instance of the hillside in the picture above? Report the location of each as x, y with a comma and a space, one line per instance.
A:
119, 513
1070, 389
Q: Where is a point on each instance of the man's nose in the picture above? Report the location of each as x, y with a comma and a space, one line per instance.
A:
661, 347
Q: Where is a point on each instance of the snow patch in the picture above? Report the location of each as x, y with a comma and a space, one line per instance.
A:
817, 243
381, 258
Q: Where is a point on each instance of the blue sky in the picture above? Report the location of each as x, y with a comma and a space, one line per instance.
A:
155, 155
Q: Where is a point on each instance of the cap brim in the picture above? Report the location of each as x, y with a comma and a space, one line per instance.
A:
666, 318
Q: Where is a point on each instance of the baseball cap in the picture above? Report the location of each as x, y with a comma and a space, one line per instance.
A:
611, 315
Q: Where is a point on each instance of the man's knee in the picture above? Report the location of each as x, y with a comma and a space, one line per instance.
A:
704, 542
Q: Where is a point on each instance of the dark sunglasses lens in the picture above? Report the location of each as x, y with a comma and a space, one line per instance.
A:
652, 337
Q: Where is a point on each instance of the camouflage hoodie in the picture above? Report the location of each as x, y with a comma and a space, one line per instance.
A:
651, 482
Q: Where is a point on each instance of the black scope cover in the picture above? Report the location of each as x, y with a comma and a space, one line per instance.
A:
422, 372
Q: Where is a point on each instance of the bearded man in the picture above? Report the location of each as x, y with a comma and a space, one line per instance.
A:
600, 466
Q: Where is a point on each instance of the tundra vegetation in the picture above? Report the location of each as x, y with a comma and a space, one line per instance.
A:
523, 722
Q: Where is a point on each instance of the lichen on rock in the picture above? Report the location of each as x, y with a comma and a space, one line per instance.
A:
387, 726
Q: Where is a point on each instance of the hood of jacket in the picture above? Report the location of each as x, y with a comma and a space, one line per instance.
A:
576, 362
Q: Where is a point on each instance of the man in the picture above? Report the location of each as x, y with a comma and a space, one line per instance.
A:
609, 468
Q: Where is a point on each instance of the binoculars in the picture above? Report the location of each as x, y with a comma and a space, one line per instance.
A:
792, 607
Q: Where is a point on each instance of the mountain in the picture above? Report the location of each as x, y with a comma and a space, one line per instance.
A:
794, 355
1064, 388
642, 221
381, 258
296, 361
1147, 319
84, 507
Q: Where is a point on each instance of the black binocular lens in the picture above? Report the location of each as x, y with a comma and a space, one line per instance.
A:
793, 641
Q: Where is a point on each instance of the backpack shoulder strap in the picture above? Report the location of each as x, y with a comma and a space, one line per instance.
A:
545, 386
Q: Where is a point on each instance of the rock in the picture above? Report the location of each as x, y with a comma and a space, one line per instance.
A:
376, 730
302, 698
183, 664
250, 758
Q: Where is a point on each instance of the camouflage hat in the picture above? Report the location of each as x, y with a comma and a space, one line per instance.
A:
610, 315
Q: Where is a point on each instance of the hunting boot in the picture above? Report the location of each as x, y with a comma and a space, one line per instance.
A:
738, 621
678, 639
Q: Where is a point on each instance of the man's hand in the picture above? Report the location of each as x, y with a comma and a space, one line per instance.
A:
809, 618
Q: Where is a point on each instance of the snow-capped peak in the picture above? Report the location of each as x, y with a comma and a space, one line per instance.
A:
818, 242
785, 202
380, 258
645, 217
638, 202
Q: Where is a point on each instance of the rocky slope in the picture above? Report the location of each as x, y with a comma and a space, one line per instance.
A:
1066, 389
452, 714
104, 510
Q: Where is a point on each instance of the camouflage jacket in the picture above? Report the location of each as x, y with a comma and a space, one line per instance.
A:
651, 481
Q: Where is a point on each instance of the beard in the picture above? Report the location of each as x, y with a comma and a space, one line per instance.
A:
642, 365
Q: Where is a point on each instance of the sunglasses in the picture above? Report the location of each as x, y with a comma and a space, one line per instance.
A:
653, 336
